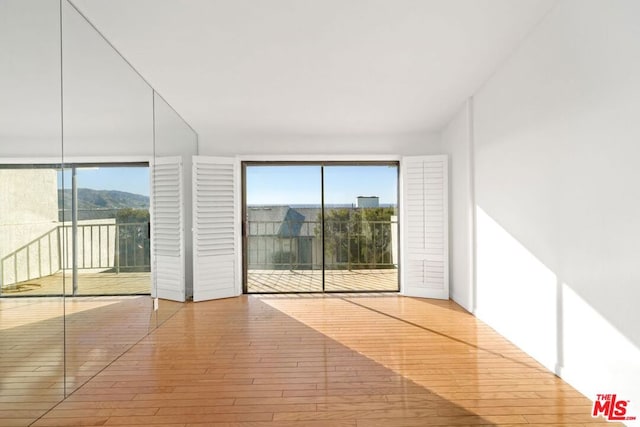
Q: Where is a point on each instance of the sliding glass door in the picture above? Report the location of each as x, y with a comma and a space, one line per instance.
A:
282, 211
361, 227
320, 227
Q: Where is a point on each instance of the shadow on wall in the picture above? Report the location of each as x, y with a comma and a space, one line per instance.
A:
538, 310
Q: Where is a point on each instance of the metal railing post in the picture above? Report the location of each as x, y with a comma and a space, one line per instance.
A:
109, 248
90, 246
74, 229
39, 258
15, 268
50, 270
117, 250
99, 246
28, 264
349, 247
59, 232
290, 248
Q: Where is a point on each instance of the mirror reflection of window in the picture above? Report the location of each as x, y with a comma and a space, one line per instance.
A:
106, 212
107, 218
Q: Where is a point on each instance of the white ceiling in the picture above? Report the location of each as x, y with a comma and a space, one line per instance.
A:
315, 67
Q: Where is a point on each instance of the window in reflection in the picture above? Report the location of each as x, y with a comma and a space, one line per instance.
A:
94, 228
104, 211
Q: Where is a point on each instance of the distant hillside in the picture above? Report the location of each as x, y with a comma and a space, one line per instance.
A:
89, 199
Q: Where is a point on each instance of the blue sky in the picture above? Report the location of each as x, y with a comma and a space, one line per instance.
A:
268, 185
130, 179
300, 184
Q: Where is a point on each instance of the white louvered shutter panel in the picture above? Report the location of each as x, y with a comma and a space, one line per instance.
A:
168, 229
214, 218
425, 270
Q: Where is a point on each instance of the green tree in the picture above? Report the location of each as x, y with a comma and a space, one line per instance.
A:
358, 238
132, 216
133, 232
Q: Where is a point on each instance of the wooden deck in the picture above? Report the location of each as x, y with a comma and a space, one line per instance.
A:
347, 360
290, 281
89, 283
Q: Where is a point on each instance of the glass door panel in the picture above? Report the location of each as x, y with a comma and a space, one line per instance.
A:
361, 228
283, 228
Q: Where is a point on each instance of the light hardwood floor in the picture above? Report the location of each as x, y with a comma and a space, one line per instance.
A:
323, 360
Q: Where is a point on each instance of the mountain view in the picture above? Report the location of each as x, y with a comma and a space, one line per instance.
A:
95, 204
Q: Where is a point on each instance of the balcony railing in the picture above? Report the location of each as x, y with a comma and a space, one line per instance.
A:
102, 246
116, 246
298, 245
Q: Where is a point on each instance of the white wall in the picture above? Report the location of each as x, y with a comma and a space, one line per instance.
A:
556, 146
319, 145
456, 141
28, 210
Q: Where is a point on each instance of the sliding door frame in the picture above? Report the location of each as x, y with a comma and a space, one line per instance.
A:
321, 164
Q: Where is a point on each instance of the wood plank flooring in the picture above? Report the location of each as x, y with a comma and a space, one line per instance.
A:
49, 346
323, 360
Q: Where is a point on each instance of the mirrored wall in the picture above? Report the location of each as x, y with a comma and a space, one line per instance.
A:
107, 121
80, 134
31, 327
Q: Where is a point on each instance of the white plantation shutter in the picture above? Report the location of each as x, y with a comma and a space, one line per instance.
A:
425, 204
168, 229
214, 219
